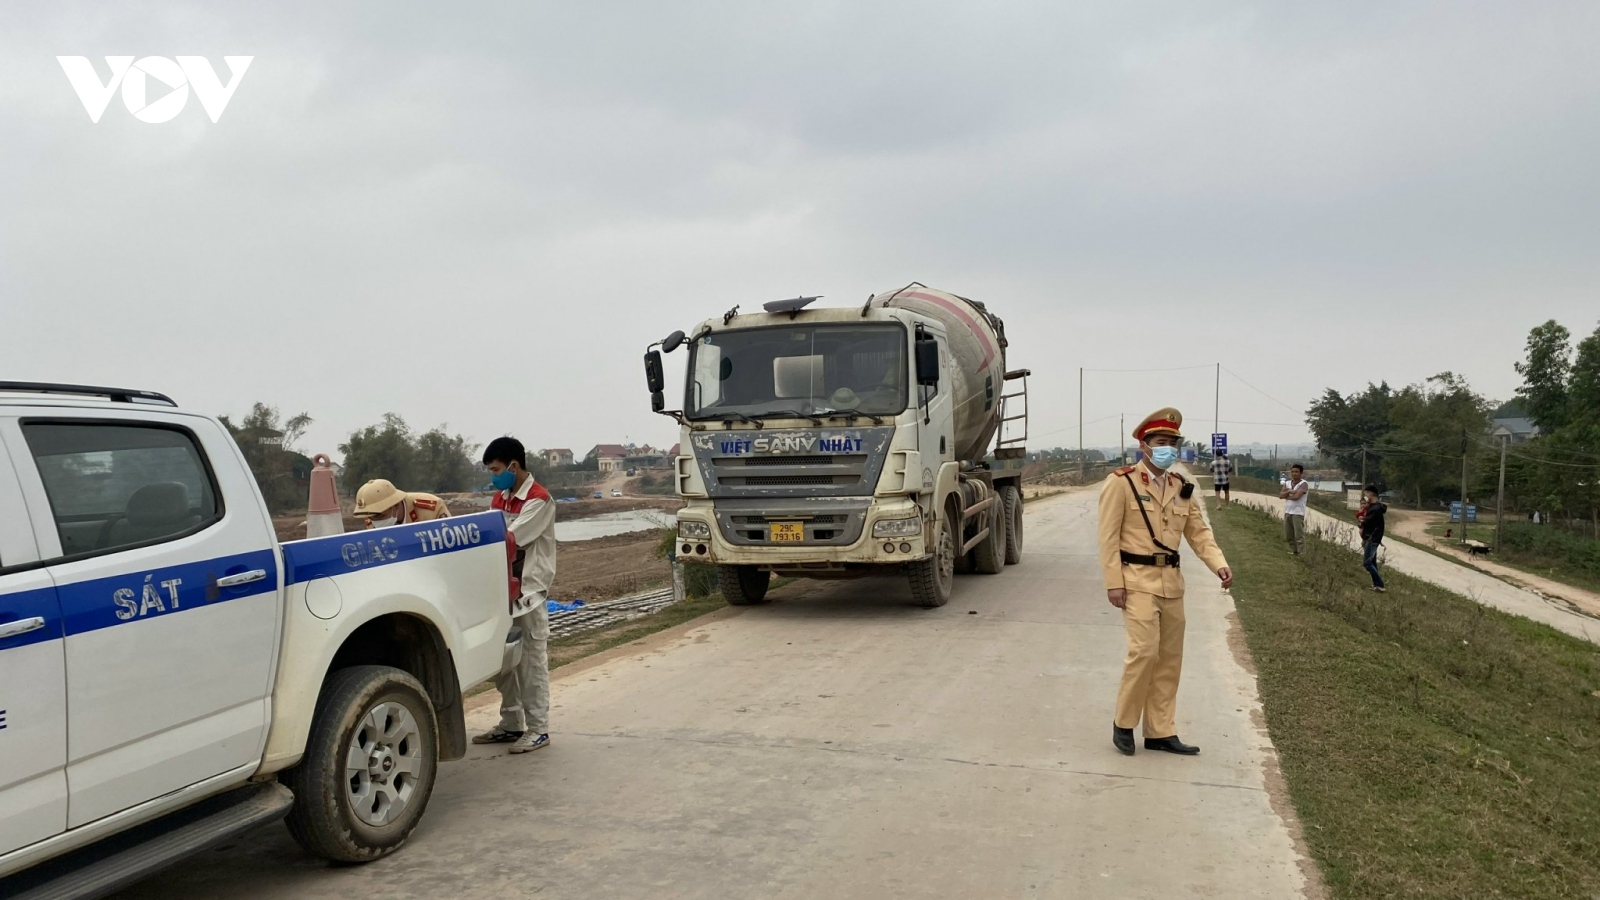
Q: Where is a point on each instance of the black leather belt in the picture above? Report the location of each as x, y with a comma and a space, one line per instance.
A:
1160, 560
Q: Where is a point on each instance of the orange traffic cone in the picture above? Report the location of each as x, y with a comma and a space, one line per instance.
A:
323, 516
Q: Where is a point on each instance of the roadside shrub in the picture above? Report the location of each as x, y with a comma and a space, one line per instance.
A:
1547, 545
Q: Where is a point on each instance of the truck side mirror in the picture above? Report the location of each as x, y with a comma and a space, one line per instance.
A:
658, 402
927, 362
652, 372
673, 342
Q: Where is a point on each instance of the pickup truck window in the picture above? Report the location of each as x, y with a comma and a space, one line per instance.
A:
117, 485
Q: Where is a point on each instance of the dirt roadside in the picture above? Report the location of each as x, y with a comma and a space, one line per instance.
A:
1413, 526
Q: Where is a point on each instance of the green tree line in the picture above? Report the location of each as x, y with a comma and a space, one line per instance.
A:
1416, 440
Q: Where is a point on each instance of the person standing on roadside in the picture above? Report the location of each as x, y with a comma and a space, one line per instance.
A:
1221, 471
530, 518
1295, 488
1372, 534
1145, 511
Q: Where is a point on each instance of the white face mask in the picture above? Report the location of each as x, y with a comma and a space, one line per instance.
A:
384, 523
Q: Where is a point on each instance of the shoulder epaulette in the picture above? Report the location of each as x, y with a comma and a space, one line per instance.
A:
1124, 470
425, 504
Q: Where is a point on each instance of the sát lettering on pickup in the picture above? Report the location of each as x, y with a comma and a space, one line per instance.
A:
370, 552
449, 537
149, 599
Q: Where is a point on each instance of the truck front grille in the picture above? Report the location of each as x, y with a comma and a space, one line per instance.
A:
789, 471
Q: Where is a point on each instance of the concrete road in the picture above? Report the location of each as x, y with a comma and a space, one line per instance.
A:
843, 743
1564, 612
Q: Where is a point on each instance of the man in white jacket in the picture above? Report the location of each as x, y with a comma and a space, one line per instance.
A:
530, 517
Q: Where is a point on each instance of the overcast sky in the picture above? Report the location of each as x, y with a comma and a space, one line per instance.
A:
480, 214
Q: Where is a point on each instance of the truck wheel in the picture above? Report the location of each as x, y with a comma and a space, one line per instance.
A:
743, 585
989, 557
931, 579
369, 767
1012, 496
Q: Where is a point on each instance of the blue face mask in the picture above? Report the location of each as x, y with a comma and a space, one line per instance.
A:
1163, 457
505, 481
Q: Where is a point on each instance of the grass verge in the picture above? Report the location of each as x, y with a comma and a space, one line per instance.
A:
1433, 747
1543, 550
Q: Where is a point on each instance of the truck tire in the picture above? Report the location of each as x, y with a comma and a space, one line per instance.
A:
1012, 496
360, 814
932, 578
989, 557
743, 585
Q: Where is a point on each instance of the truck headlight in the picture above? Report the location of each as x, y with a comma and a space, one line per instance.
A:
690, 530
909, 527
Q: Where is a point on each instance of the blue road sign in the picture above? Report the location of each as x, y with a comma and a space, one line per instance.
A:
1219, 443
1455, 511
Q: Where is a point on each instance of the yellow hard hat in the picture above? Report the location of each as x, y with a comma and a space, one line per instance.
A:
376, 496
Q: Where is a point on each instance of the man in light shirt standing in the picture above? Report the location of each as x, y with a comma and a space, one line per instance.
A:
1294, 508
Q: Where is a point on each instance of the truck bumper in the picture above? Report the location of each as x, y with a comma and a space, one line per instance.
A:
867, 549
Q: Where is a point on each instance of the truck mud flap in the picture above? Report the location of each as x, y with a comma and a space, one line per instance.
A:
120, 860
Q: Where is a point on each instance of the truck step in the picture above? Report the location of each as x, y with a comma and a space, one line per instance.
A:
116, 862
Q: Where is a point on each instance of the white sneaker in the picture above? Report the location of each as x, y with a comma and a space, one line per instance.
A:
530, 742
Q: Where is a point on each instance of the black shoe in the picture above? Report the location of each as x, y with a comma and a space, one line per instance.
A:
1171, 745
1122, 739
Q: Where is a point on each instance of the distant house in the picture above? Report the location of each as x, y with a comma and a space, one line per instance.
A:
1518, 428
611, 457
558, 457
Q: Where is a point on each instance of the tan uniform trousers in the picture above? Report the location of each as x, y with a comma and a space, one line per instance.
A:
1154, 663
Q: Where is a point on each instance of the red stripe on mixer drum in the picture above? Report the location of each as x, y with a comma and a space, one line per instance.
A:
963, 315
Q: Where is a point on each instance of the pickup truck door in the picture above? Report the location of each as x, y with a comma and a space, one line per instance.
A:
168, 575
33, 683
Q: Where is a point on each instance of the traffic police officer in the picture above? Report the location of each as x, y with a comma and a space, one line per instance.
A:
1144, 511
382, 504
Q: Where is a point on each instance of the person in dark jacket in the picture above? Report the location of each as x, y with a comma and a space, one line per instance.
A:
1372, 535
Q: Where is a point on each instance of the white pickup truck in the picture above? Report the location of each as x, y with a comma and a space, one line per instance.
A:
170, 675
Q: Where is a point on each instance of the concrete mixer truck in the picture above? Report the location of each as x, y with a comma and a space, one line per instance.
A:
845, 442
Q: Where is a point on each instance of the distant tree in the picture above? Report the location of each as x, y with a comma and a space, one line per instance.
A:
435, 461
1544, 375
1433, 424
268, 447
1344, 424
448, 462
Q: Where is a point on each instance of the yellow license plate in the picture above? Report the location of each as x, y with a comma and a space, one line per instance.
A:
788, 532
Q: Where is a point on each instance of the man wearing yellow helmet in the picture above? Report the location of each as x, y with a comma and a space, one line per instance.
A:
382, 504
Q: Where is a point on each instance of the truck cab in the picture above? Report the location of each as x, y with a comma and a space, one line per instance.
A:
840, 442
161, 652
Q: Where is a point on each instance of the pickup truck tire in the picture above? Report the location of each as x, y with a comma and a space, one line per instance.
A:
989, 557
362, 813
1012, 497
932, 578
743, 585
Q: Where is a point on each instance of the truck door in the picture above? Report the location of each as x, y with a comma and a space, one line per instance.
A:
167, 573
33, 683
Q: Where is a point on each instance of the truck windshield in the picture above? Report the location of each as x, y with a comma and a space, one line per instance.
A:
804, 370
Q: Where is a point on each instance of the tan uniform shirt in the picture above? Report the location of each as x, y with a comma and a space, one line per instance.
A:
1172, 517
419, 507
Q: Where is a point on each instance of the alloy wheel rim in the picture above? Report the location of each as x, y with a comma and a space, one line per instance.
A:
383, 764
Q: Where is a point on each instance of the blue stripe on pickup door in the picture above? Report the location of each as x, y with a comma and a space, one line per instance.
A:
163, 591
341, 553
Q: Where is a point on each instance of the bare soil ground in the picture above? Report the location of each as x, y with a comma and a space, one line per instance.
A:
609, 567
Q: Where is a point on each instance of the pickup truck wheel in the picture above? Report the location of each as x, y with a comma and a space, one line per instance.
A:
931, 579
743, 585
1013, 501
989, 557
369, 766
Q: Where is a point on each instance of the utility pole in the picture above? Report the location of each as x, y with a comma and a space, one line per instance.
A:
1216, 404
1463, 485
1122, 436
1500, 497
1082, 462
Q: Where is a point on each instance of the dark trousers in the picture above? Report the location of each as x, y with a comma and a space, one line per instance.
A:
1369, 561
